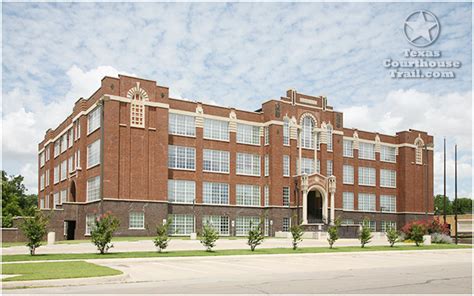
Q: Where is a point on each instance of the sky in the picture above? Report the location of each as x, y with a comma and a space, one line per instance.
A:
238, 55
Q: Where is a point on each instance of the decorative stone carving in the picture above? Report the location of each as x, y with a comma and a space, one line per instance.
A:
356, 140
332, 184
377, 143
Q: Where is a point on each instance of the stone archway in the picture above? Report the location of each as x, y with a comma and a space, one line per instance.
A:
315, 207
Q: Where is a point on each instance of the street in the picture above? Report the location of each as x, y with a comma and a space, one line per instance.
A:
433, 272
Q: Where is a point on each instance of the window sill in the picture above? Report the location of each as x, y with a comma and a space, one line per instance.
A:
220, 140
251, 144
248, 175
179, 169
142, 228
214, 172
92, 166
368, 185
389, 187
186, 136
92, 131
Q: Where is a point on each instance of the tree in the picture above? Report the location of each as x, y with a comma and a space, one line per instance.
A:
392, 236
297, 235
417, 232
102, 233
15, 201
333, 233
209, 237
162, 238
365, 234
34, 229
464, 205
255, 237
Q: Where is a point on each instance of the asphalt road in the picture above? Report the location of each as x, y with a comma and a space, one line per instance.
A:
433, 272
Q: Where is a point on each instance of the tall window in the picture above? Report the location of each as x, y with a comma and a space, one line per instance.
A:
63, 170
93, 120
219, 223
388, 178
266, 165
77, 130
366, 202
286, 165
215, 193
386, 225
243, 224
247, 195
180, 157
42, 182
183, 125
307, 166
347, 174
419, 151
286, 196
216, 161
181, 191
286, 224
63, 197
93, 188
366, 176
307, 139
348, 201
329, 137
388, 153
216, 129
371, 224
388, 203
329, 170
248, 134
77, 156
93, 154
136, 220
56, 174
248, 164
70, 137
47, 178
57, 147
42, 159
266, 195
286, 131
366, 150
70, 164
90, 223
137, 111
266, 134
63, 142
47, 152
181, 224
348, 148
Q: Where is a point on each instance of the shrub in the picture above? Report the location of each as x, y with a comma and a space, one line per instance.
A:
34, 229
162, 238
429, 225
333, 233
255, 237
209, 237
392, 236
103, 231
297, 234
365, 234
441, 238
417, 232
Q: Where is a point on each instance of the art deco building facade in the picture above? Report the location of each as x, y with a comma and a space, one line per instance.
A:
132, 150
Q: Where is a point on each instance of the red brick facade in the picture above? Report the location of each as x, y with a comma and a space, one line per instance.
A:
134, 169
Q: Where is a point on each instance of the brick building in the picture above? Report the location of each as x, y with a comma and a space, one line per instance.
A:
132, 150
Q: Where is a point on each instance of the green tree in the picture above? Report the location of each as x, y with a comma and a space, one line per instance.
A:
464, 205
103, 232
392, 236
417, 232
162, 238
333, 233
15, 201
365, 234
34, 229
255, 236
209, 236
297, 234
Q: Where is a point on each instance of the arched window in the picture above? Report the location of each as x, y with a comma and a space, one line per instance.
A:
138, 96
286, 131
419, 151
307, 126
329, 137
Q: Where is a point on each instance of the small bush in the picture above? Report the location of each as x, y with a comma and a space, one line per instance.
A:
103, 231
297, 234
34, 229
333, 233
429, 225
209, 237
441, 238
255, 237
365, 234
162, 238
417, 232
392, 236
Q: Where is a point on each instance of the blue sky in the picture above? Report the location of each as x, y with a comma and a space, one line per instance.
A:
234, 55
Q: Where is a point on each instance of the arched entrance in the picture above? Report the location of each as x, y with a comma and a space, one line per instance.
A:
72, 191
315, 207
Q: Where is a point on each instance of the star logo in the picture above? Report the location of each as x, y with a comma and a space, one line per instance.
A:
421, 28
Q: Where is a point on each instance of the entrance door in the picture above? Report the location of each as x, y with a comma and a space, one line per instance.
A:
70, 229
315, 207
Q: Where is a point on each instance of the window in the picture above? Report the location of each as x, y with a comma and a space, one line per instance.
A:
286, 165
307, 138
247, 195
329, 168
77, 130
388, 178
266, 194
286, 196
42, 182
93, 120
93, 154
318, 141
47, 178
419, 151
136, 220
56, 174
70, 164
63, 142
388, 153
219, 223
371, 224
366, 150
286, 224
366, 176
347, 222
348, 201
63, 170
63, 196
329, 137
348, 148
42, 203
366, 202
216, 129
56, 199
90, 223
386, 225
93, 188
137, 112
243, 223
70, 138
181, 191
266, 231
215, 193
181, 224
78, 158
41, 159
388, 203
248, 134
347, 174
46, 201
216, 161
307, 166
318, 166
46, 153
183, 125
57, 148
248, 164
180, 157
286, 132
266, 135
266, 163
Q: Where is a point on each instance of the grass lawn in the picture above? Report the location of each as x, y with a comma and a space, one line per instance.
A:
55, 270
261, 251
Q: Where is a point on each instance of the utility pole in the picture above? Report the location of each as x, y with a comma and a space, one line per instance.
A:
426, 181
456, 193
444, 183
